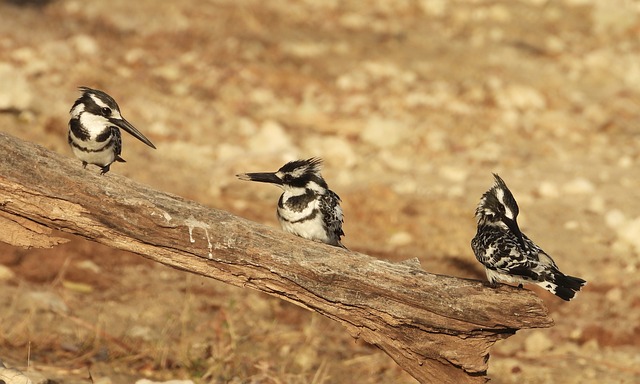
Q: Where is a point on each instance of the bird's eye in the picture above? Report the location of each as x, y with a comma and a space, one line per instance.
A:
106, 111
287, 177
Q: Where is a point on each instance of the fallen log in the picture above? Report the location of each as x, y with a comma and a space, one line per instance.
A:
437, 328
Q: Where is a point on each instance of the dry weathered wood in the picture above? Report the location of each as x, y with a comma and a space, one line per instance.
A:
438, 328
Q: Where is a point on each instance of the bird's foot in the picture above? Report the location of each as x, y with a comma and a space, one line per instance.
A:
490, 284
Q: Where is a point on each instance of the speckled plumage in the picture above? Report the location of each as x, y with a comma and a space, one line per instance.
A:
307, 208
508, 254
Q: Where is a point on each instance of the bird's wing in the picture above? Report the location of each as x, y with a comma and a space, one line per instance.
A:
330, 203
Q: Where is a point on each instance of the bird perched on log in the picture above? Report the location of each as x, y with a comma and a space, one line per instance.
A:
508, 254
94, 129
307, 208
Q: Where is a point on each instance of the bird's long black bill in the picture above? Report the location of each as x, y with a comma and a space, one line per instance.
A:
125, 125
264, 177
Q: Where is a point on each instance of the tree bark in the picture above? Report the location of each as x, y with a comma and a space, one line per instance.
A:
437, 328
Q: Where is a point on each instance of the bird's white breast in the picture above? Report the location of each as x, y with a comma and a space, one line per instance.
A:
311, 229
95, 125
100, 158
293, 221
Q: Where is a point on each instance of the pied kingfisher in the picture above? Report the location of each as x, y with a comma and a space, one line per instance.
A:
94, 136
307, 208
507, 254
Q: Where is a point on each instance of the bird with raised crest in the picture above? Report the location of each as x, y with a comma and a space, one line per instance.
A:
94, 129
508, 255
307, 207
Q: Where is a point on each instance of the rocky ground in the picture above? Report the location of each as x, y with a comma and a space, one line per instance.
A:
412, 104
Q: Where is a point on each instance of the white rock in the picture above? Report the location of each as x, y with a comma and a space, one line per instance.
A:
572, 225
499, 13
630, 233
305, 49
452, 173
13, 376
614, 16
169, 72
47, 301
89, 266
548, 189
614, 295
578, 186
85, 44
383, 133
396, 161
537, 343
400, 239
333, 149
247, 127
16, 93
5, 273
226, 151
615, 218
520, 97
141, 332
262, 96
352, 81
433, 7
597, 204
625, 162
353, 20
271, 138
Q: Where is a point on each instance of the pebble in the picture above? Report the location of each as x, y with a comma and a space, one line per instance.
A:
614, 295
520, 97
613, 16
615, 218
16, 93
271, 138
597, 204
13, 376
226, 151
629, 233
571, 225
548, 189
578, 186
397, 162
47, 301
89, 266
626, 229
141, 332
85, 45
434, 7
383, 133
400, 239
453, 173
333, 149
5, 273
537, 343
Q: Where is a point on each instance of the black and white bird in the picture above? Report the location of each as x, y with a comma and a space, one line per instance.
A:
508, 255
307, 208
94, 134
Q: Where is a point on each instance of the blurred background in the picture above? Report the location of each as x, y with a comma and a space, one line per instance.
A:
411, 103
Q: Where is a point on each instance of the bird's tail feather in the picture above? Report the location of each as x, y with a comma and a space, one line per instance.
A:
565, 287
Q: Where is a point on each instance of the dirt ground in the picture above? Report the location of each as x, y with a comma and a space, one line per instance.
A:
412, 104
